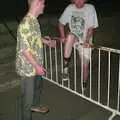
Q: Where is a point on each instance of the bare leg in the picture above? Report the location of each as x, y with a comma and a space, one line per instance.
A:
67, 54
85, 70
85, 59
68, 47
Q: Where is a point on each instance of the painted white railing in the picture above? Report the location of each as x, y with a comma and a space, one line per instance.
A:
104, 79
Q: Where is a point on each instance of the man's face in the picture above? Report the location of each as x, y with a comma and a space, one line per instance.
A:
38, 6
79, 3
41, 6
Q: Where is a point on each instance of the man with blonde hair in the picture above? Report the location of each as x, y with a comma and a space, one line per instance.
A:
82, 20
29, 59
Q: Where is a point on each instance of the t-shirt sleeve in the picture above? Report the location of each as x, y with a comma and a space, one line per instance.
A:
64, 18
92, 20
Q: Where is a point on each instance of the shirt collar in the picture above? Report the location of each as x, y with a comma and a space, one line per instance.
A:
31, 15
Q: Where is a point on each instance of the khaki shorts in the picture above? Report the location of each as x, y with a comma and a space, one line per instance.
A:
83, 52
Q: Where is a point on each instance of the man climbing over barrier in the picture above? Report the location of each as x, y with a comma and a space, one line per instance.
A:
82, 21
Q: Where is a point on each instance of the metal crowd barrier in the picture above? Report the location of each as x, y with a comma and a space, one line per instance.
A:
104, 79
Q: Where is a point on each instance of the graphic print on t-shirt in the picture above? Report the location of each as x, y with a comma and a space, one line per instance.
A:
78, 24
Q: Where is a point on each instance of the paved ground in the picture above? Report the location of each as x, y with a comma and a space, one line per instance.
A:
63, 105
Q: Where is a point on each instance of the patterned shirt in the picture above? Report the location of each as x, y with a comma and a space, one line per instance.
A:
28, 38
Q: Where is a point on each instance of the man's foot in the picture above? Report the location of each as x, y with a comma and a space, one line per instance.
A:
42, 110
65, 74
65, 70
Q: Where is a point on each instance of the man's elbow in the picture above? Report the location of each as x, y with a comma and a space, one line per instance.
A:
92, 30
61, 24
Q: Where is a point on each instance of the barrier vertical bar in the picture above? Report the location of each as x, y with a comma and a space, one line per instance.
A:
46, 66
82, 70
50, 63
90, 74
109, 67
61, 48
75, 67
56, 64
118, 99
99, 73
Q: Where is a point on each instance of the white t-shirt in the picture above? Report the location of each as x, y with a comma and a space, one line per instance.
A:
79, 19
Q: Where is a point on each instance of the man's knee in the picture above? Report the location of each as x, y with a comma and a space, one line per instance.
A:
71, 37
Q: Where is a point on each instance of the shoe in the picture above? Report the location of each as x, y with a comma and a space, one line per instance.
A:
65, 70
65, 74
42, 110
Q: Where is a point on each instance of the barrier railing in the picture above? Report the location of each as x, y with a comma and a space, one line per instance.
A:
104, 79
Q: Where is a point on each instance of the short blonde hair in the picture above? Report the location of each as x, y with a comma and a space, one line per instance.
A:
30, 2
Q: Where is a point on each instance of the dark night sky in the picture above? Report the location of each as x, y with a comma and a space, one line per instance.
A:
13, 8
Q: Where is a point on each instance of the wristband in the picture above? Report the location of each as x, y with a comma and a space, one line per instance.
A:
38, 77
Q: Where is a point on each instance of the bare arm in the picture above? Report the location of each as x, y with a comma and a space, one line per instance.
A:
62, 32
30, 58
46, 40
89, 34
87, 42
49, 42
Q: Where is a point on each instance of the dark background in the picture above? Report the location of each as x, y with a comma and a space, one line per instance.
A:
12, 9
